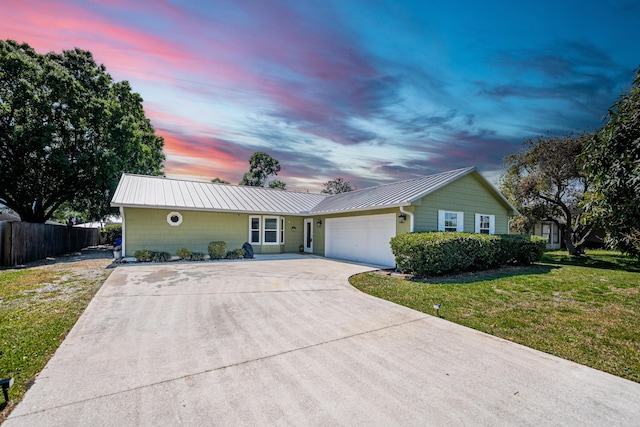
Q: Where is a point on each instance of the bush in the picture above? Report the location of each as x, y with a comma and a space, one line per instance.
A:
143, 255
184, 253
111, 233
217, 250
160, 256
235, 254
436, 253
196, 256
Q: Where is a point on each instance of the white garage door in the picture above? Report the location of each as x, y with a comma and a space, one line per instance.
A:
361, 238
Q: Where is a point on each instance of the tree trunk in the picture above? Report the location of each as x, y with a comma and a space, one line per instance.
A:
567, 236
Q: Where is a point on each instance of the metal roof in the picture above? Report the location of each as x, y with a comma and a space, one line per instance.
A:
400, 193
160, 192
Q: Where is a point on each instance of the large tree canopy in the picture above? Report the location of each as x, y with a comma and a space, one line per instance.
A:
545, 181
337, 186
612, 160
67, 132
261, 167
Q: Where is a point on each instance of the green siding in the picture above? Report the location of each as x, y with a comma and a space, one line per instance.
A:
467, 195
293, 239
148, 229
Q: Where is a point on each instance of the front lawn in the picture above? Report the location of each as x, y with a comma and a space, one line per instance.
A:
38, 307
586, 310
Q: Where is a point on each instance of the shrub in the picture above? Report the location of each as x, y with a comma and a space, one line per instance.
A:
111, 233
445, 252
143, 255
217, 250
184, 253
235, 254
160, 256
523, 249
196, 256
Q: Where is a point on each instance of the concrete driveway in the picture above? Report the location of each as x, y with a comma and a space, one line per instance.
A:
290, 342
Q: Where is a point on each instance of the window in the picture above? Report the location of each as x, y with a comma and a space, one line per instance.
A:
485, 224
546, 232
450, 221
270, 230
266, 230
254, 230
282, 230
174, 219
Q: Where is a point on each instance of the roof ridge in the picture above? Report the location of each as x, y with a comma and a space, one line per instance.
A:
408, 180
218, 183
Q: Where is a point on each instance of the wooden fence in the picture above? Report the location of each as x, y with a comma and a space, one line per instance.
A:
22, 242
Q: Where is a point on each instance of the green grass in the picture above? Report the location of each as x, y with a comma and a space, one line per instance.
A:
38, 308
582, 309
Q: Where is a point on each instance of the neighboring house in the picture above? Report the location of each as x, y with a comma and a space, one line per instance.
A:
166, 214
550, 231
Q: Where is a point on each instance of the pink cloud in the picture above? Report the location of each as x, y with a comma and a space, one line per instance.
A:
55, 26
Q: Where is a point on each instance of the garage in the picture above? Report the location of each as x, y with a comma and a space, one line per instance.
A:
361, 238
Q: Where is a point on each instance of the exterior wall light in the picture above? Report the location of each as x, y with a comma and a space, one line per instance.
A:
402, 218
293, 229
319, 223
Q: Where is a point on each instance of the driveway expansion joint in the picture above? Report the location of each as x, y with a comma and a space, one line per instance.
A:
275, 291
220, 368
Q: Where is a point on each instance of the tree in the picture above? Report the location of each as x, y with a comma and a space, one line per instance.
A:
261, 167
612, 161
67, 133
276, 183
217, 180
337, 186
545, 182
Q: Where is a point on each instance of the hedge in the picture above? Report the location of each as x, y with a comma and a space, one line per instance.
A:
435, 253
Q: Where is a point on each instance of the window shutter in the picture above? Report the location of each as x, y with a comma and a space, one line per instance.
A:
460, 223
492, 224
478, 223
440, 220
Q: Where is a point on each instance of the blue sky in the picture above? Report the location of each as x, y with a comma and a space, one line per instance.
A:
372, 91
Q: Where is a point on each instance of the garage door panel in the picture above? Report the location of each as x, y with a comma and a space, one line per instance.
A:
362, 238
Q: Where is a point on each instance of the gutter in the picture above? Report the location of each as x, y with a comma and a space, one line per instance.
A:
410, 218
123, 231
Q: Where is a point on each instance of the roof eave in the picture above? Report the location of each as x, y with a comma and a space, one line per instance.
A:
370, 208
184, 208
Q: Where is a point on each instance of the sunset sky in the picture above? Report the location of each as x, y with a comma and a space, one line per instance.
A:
372, 91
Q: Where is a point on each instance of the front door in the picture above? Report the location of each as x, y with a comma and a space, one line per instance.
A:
308, 235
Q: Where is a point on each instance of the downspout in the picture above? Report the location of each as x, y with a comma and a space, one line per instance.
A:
410, 218
123, 231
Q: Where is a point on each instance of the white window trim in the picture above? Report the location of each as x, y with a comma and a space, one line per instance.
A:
459, 220
264, 230
259, 218
492, 223
171, 215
